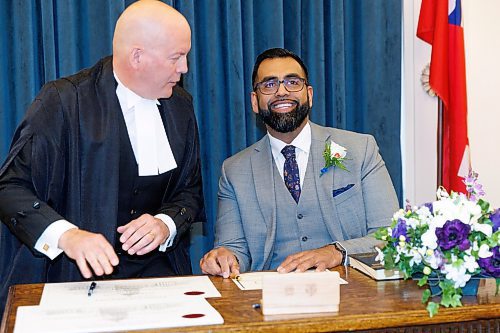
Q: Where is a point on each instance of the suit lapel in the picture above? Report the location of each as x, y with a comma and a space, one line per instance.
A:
262, 164
325, 183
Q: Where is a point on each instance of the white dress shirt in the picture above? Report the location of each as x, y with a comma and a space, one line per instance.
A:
152, 153
302, 144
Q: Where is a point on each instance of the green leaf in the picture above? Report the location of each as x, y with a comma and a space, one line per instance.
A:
389, 259
426, 295
381, 233
423, 280
456, 300
432, 308
484, 205
448, 293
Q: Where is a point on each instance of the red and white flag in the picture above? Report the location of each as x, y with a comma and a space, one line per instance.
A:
440, 24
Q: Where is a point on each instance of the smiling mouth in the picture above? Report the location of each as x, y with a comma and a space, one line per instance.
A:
283, 105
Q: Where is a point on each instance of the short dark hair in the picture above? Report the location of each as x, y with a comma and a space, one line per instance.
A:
276, 53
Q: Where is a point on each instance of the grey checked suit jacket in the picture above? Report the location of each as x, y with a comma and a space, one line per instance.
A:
246, 218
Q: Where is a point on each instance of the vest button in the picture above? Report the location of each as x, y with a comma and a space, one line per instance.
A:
304, 239
300, 216
136, 191
13, 221
133, 212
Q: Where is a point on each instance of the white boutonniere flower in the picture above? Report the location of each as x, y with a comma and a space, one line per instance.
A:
334, 155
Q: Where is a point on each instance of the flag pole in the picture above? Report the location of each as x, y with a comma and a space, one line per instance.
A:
440, 144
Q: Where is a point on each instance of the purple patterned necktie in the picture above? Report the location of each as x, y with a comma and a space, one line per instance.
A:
291, 172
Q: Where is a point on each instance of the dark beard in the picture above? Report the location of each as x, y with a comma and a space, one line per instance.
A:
285, 122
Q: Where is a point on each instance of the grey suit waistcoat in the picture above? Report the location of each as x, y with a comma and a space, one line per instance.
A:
299, 227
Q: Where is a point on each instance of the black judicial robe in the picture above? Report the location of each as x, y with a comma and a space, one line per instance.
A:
73, 129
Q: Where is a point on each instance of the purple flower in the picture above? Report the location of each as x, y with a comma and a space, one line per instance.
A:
439, 258
491, 265
474, 189
495, 219
453, 233
400, 229
429, 205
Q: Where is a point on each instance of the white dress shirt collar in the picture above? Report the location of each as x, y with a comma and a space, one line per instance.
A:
303, 144
146, 132
302, 141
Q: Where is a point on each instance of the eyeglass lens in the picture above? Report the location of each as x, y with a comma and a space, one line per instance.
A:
292, 84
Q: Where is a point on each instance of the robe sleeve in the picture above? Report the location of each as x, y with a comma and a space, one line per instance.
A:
24, 213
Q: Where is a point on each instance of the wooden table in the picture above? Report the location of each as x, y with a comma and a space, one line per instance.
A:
385, 306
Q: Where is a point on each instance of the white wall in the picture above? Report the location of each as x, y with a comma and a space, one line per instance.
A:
482, 46
482, 50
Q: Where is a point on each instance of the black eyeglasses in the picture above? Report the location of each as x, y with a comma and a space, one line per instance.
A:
291, 84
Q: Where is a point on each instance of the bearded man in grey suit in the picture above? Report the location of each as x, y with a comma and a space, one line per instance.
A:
279, 207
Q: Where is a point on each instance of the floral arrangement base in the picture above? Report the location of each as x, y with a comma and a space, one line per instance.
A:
470, 288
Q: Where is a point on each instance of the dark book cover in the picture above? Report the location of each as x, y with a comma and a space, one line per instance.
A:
366, 263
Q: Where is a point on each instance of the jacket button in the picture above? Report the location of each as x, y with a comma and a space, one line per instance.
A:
13, 221
300, 216
36, 205
304, 239
183, 211
136, 191
133, 212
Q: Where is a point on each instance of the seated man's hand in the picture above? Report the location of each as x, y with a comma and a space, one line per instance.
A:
88, 248
143, 235
322, 258
220, 261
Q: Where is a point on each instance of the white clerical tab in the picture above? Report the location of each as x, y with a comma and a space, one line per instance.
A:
154, 154
307, 292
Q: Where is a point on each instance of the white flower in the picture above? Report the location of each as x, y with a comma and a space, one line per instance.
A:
437, 221
423, 211
399, 214
412, 223
434, 261
482, 227
416, 256
429, 239
457, 274
380, 255
484, 251
470, 263
441, 193
337, 151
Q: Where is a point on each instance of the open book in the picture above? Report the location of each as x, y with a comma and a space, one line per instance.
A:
366, 263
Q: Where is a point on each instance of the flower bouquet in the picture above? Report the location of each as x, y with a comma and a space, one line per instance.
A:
451, 239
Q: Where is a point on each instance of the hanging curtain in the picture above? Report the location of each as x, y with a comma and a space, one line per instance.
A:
352, 49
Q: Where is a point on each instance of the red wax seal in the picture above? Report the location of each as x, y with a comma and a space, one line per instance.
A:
194, 293
194, 315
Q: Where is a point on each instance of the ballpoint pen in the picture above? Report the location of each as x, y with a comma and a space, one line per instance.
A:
92, 286
237, 279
